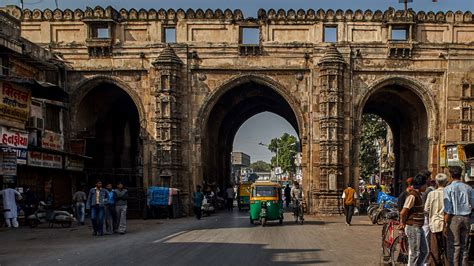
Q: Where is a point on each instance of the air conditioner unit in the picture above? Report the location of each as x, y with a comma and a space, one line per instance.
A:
35, 122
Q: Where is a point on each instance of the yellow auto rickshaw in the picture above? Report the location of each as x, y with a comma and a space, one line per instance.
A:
243, 195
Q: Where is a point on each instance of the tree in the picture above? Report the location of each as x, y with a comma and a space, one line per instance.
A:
261, 166
287, 146
374, 128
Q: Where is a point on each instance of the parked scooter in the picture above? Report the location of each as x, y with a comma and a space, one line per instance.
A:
64, 218
207, 205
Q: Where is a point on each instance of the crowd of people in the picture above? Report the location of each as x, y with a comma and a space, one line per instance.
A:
107, 206
435, 217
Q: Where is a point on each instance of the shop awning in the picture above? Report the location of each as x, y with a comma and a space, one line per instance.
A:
39, 149
39, 89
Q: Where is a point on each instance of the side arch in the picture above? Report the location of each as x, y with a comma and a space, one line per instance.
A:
416, 87
84, 87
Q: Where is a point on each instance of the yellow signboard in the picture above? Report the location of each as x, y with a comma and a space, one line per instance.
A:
14, 102
442, 155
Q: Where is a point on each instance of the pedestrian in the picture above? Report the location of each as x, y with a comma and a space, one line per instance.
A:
79, 198
296, 195
287, 193
110, 214
412, 219
10, 196
96, 203
121, 197
31, 201
458, 204
349, 196
402, 197
230, 196
198, 197
434, 207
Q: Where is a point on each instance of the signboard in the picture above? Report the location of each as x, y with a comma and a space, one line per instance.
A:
452, 154
8, 160
74, 164
14, 141
14, 102
52, 140
278, 171
13, 138
41, 159
78, 146
442, 155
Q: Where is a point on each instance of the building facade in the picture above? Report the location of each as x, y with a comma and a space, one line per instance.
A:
158, 95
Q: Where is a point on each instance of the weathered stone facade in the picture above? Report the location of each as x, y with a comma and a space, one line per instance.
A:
193, 95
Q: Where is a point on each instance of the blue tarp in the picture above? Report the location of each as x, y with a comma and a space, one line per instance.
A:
389, 200
158, 196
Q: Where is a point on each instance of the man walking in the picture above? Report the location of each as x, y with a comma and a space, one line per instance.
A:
121, 197
458, 204
434, 208
110, 215
349, 196
31, 201
287, 193
230, 196
96, 202
198, 197
80, 198
412, 219
10, 196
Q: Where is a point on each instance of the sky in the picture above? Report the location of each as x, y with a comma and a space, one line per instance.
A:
249, 7
265, 126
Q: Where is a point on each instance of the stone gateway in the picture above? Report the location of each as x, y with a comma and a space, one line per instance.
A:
160, 94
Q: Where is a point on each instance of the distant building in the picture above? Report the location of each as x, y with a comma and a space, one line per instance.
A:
240, 161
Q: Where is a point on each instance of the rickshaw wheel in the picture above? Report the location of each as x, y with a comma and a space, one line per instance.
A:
251, 221
280, 221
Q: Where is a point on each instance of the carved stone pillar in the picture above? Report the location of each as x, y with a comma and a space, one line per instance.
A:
331, 108
167, 84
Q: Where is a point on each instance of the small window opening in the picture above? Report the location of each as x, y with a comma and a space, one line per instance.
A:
170, 35
330, 34
250, 35
399, 34
100, 31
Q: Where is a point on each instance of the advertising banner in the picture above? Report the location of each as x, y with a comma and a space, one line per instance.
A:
74, 164
8, 160
14, 102
41, 159
14, 141
52, 140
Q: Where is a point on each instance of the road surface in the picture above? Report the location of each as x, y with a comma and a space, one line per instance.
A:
222, 239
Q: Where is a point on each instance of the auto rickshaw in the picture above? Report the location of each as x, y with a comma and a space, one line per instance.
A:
266, 203
243, 196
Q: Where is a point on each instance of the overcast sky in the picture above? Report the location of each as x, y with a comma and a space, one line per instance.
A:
265, 126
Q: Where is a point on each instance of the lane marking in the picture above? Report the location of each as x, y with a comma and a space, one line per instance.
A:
169, 237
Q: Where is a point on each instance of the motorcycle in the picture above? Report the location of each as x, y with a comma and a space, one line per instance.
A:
41, 215
207, 206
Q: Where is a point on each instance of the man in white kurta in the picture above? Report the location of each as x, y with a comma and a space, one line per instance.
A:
9, 205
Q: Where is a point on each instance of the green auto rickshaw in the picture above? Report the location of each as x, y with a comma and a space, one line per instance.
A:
243, 196
266, 203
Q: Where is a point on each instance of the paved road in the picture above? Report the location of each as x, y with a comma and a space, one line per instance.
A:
222, 239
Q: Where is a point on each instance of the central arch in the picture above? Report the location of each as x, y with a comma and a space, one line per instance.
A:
228, 107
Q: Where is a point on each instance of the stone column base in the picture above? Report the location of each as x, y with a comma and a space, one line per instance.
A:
327, 202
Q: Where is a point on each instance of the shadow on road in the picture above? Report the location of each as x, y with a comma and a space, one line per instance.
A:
235, 254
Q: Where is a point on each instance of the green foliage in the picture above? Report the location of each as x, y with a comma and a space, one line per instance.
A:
287, 148
261, 166
374, 128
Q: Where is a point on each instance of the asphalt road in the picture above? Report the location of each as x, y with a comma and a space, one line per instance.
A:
222, 239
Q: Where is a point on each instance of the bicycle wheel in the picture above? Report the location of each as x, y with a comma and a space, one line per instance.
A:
381, 218
399, 251
385, 241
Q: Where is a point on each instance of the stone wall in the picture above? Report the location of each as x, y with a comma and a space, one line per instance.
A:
434, 63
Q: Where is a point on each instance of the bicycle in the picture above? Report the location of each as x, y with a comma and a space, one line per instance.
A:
399, 249
298, 211
388, 233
